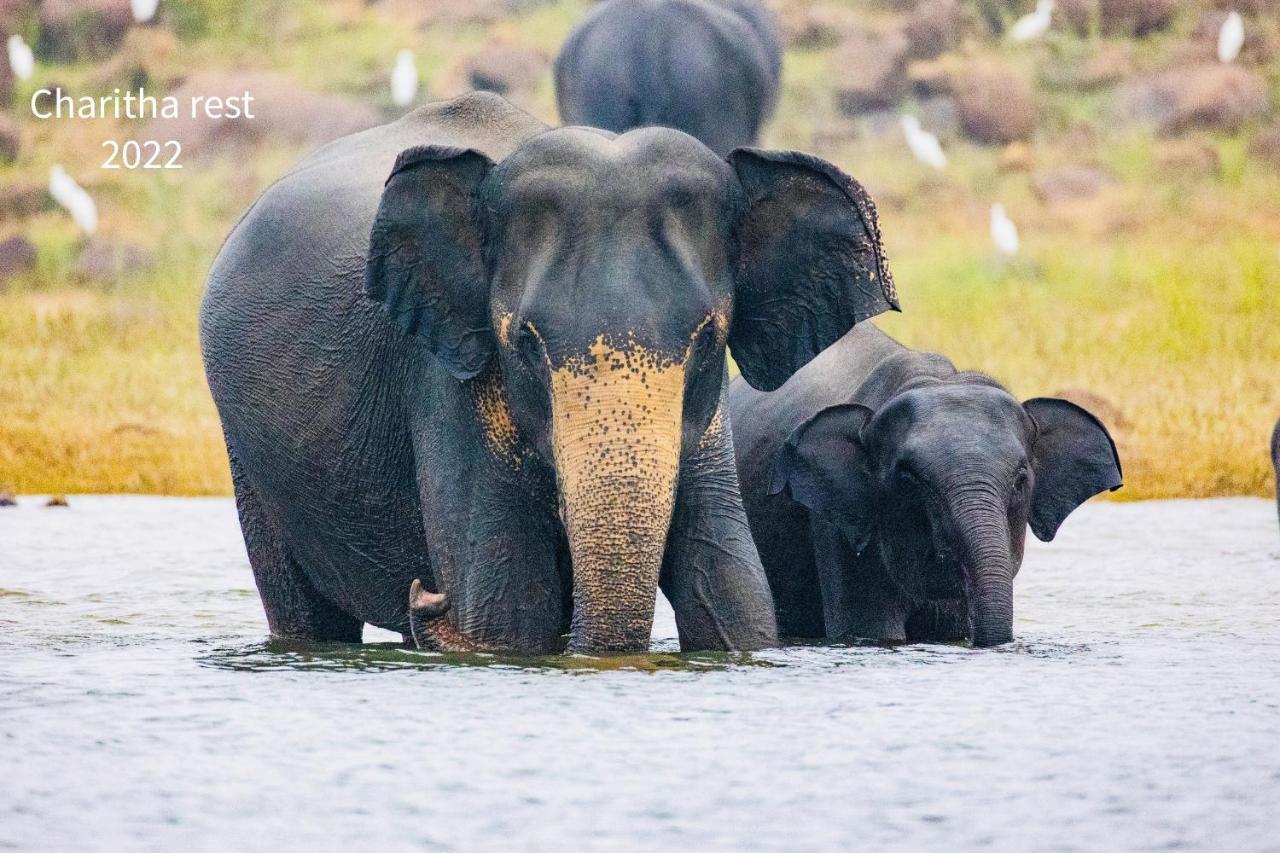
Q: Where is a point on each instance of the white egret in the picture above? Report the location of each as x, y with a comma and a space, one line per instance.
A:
1033, 26
404, 79
1003, 232
70, 195
1231, 37
144, 10
923, 144
21, 59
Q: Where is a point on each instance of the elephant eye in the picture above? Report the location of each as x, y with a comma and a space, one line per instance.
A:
530, 346
1021, 481
903, 474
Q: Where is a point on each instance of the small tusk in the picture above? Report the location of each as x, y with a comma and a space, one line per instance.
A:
424, 604
430, 631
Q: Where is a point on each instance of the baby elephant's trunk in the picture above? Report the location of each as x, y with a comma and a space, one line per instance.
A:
616, 440
982, 526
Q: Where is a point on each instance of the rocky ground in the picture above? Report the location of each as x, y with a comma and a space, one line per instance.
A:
1143, 175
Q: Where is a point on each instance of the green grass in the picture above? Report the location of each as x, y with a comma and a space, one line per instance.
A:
1162, 294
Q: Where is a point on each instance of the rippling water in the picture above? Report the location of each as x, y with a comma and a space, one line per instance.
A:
141, 708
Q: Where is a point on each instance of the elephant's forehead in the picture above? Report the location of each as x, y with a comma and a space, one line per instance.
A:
965, 407
578, 158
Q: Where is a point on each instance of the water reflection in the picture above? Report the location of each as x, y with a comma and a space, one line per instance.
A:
275, 654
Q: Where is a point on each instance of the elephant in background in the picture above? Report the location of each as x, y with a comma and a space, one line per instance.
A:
889, 493
1275, 461
711, 68
472, 378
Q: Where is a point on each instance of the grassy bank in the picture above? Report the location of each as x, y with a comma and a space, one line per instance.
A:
1161, 294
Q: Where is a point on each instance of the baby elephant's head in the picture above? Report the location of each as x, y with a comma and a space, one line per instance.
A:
943, 479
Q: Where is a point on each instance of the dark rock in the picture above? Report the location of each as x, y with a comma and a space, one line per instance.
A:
106, 261
10, 138
1211, 96
82, 29
816, 27
930, 77
19, 201
1079, 16
1111, 63
1069, 183
8, 497
934, 28
507, 68
13, 15
57, 502
1187, 156
871, 73
17, 255
996, 106
997, 14
1135, 17
283, 112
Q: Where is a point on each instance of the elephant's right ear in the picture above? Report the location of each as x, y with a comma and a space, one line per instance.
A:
1073, 458
810, 263
426, 263
824, 467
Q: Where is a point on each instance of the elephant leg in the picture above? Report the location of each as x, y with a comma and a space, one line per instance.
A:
939, 622
859, 600
294, 610
711, 573
499, 558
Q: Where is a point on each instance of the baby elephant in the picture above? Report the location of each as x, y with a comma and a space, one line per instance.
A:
889, 493
708, 67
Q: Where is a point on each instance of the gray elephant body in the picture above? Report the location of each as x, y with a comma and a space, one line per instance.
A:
710, 68
888, 492
319, 403
502, 374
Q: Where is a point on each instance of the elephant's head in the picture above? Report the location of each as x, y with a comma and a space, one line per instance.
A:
944, 479
597, 280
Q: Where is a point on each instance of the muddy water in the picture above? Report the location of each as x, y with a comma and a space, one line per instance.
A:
141, 708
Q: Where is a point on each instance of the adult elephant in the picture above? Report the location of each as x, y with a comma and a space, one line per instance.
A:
503, 373
708, 67
890, 493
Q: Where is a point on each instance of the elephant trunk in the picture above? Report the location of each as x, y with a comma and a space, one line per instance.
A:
616, 424
982, 527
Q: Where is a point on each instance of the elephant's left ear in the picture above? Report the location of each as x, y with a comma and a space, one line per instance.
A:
810, 263
823, 466
425, 261
1073, 458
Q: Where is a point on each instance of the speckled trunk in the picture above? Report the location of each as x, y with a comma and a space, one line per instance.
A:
616, 438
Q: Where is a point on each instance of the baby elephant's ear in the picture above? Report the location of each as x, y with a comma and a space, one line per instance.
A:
824, 467
1073, 458
425, 261
810, 263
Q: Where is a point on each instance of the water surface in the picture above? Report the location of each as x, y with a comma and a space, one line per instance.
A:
143, 708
